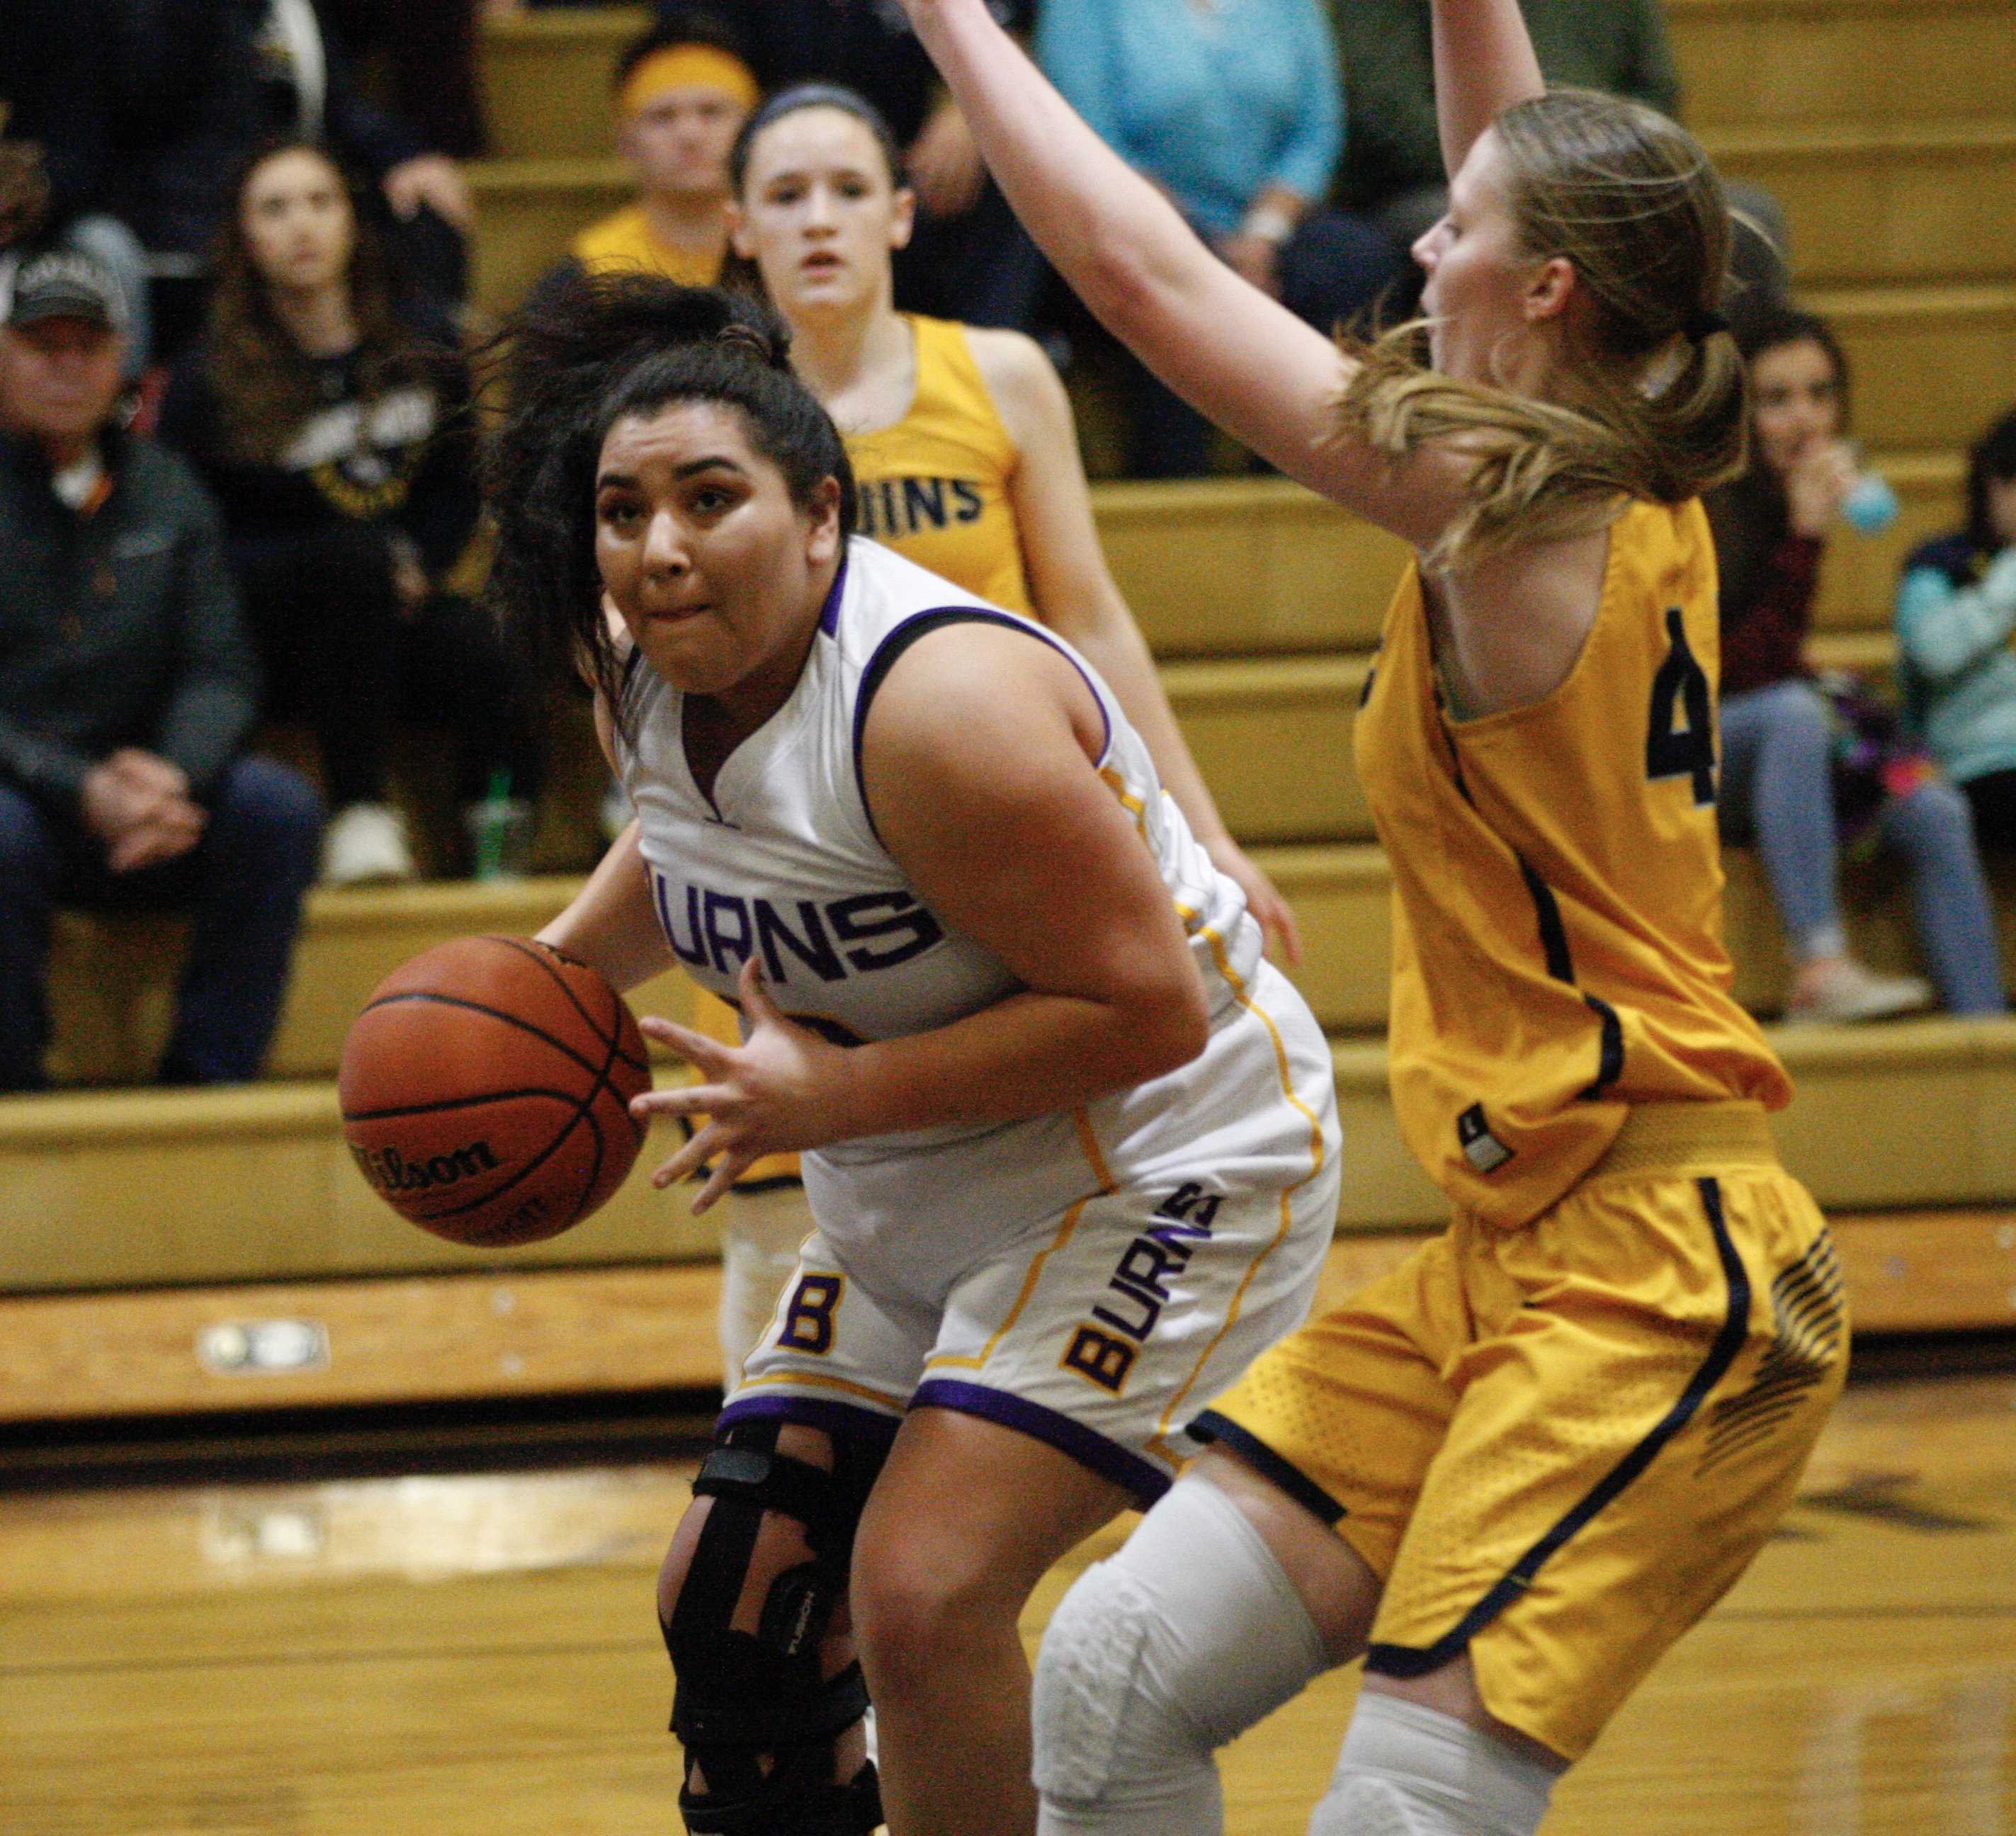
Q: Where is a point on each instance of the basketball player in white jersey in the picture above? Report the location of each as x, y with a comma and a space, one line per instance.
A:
1070, 1142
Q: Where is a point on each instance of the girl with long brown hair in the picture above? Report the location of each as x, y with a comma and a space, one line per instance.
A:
331, 421
1511, 1473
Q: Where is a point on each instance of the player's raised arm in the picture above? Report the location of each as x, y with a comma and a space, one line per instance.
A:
1484, 65
1238, 356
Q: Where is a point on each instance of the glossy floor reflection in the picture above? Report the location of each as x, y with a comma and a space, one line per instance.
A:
477, 1656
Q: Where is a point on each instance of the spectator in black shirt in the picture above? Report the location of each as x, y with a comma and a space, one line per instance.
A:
147, 109
335, 430
126, 689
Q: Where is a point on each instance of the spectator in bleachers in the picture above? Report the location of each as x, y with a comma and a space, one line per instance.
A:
682, 92
334, 428
1804, 762
968, 259
1392, 165
1955, 609
1237, 116
147, 108
55, 103
126, 689
428, 49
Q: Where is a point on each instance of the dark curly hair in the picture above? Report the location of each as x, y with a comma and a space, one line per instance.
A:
587, 351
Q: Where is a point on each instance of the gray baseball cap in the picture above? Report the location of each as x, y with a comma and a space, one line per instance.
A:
60, 283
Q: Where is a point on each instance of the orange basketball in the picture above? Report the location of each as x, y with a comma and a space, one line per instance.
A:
486, 1090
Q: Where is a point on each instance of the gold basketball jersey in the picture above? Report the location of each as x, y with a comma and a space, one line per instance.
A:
934, 486
624, 243
1557, 946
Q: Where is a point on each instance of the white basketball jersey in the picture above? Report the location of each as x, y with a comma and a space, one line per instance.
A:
783, 861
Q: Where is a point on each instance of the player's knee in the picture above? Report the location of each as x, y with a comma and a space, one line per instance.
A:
1156, 1658
1801, 720
1099, 1719
1410, 1770
756, 1710
918, 1606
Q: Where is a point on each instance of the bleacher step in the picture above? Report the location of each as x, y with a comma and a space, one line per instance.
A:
541, 1333
1228, 567
1932, 365
115, 981
1877, 207
1840, 61
545, 75
175, 1188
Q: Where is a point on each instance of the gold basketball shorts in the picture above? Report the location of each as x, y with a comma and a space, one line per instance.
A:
1558, 1445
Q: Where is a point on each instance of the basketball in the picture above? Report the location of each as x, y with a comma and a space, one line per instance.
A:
486, 1088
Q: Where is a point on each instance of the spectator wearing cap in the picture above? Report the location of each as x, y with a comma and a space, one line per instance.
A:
682, 92
127, 689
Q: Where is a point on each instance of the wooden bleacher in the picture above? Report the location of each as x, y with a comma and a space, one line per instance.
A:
136, 1222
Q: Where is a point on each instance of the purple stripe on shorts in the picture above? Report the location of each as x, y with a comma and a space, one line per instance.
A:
1086, 1445
812, 1411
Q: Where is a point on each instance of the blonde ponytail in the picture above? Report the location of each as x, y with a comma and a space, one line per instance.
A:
1650, 400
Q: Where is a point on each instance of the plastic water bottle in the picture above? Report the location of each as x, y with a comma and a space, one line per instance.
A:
1870, 506
500, 832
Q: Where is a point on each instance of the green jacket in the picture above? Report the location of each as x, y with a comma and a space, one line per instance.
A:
118, 628
1388, 62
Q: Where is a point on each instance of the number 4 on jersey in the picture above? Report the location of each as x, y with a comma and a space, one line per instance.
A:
1681, 742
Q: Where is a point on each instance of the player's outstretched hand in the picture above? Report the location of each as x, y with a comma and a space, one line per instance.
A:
782, 1090
1274, 914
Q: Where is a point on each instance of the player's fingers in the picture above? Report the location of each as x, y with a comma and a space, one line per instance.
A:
1281, 922
692, 1156
755, 997
728, 1168
695, 1048
684, 1100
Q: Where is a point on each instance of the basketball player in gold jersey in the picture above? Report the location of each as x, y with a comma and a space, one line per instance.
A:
966, 461
1515, 1471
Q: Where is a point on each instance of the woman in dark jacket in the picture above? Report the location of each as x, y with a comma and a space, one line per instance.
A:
335, 431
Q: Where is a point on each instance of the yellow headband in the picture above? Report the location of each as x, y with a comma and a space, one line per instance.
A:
688, 66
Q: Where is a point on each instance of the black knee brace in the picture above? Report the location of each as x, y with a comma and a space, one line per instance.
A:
751, 1710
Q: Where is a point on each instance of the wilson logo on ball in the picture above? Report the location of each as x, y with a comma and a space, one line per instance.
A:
486, 1087
389, 1171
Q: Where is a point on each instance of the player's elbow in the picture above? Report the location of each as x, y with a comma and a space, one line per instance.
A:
1133, 282
1167, 1027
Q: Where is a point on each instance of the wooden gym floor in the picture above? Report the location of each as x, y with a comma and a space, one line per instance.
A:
474, 1655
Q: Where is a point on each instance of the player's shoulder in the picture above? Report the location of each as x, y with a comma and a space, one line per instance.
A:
1015, 368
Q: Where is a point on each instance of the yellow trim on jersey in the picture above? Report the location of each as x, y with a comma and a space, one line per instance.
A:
1244, 998
1088, 1144
1134, 806
813, 1380
1065, 1232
